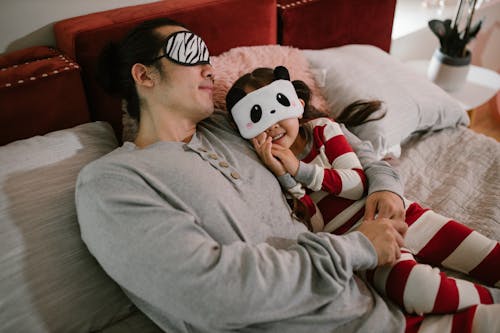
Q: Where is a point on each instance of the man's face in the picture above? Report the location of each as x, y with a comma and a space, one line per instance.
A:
185, 48
186, 89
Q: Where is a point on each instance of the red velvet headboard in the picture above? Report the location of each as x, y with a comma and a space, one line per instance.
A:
40, 91
222, 23
40, 96
225, 24
319, 24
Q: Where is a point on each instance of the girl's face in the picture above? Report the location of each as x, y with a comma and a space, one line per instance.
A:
283, 133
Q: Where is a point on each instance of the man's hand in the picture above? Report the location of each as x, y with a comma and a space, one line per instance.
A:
384, 204
386, 236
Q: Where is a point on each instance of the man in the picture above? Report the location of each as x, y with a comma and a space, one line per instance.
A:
195, 230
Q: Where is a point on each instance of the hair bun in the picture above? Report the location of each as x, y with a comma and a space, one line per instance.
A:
281, 73
302, 90
234, 95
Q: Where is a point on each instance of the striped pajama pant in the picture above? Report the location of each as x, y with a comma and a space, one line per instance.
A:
423, 290
433, 301
476, 319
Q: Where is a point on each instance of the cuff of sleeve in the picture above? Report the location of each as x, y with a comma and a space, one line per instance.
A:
287, 181
352, 251
365, 257
384, 182
305, 173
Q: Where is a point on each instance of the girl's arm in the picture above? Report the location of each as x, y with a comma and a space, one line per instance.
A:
333, 166
308, 210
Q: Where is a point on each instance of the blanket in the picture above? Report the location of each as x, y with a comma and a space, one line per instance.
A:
456, 172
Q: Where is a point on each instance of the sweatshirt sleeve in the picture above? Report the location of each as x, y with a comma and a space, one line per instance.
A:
160, 253
335, 169
381, 176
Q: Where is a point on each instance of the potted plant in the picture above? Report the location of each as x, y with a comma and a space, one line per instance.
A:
450, 62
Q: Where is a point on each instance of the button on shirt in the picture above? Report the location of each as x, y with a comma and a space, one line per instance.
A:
204, 149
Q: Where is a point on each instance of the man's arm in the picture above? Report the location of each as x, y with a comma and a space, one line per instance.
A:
385, 188
161, 254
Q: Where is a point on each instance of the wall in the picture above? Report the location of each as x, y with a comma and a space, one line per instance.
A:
486, 47
26, 23
412, 39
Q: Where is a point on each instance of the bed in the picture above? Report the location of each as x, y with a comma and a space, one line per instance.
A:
55, 119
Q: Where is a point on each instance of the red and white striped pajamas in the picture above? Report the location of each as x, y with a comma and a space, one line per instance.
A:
475, 319
335, 197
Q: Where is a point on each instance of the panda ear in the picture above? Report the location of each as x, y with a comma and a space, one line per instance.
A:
281, 73
234, 95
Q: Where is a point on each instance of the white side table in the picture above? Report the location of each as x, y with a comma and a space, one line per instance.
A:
481, 85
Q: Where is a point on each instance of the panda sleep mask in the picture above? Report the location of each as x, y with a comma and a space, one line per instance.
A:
185, 48
264, 107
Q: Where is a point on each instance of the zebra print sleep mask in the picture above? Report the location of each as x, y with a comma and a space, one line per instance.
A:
185, 48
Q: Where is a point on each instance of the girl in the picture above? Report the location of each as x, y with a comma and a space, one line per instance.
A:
315, 164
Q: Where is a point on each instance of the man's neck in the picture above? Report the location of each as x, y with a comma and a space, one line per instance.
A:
164, 127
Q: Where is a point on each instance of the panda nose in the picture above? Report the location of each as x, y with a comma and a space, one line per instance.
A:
273, 111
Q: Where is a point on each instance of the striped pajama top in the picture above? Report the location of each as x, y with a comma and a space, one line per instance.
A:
330, 180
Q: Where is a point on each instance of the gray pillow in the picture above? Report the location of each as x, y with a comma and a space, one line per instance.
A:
412, 103
49, 282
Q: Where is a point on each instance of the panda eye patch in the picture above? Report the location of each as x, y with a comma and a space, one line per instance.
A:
256, 113
257, 110
282, 99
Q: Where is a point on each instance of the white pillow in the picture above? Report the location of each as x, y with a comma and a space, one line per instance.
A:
412, 103
49, 282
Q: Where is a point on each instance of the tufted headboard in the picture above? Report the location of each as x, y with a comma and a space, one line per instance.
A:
57, 100
319, 24
223, 24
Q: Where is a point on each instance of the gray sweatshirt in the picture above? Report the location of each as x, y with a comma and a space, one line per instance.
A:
200, 237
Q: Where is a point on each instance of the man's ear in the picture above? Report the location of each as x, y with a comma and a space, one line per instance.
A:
142, 75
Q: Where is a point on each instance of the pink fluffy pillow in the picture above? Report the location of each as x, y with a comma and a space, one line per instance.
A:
232, 64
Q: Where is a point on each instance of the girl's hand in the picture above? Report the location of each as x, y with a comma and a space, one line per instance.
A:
263, 146
287, 158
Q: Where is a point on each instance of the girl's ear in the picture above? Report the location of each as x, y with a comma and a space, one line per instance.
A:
303, 104
142, 75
